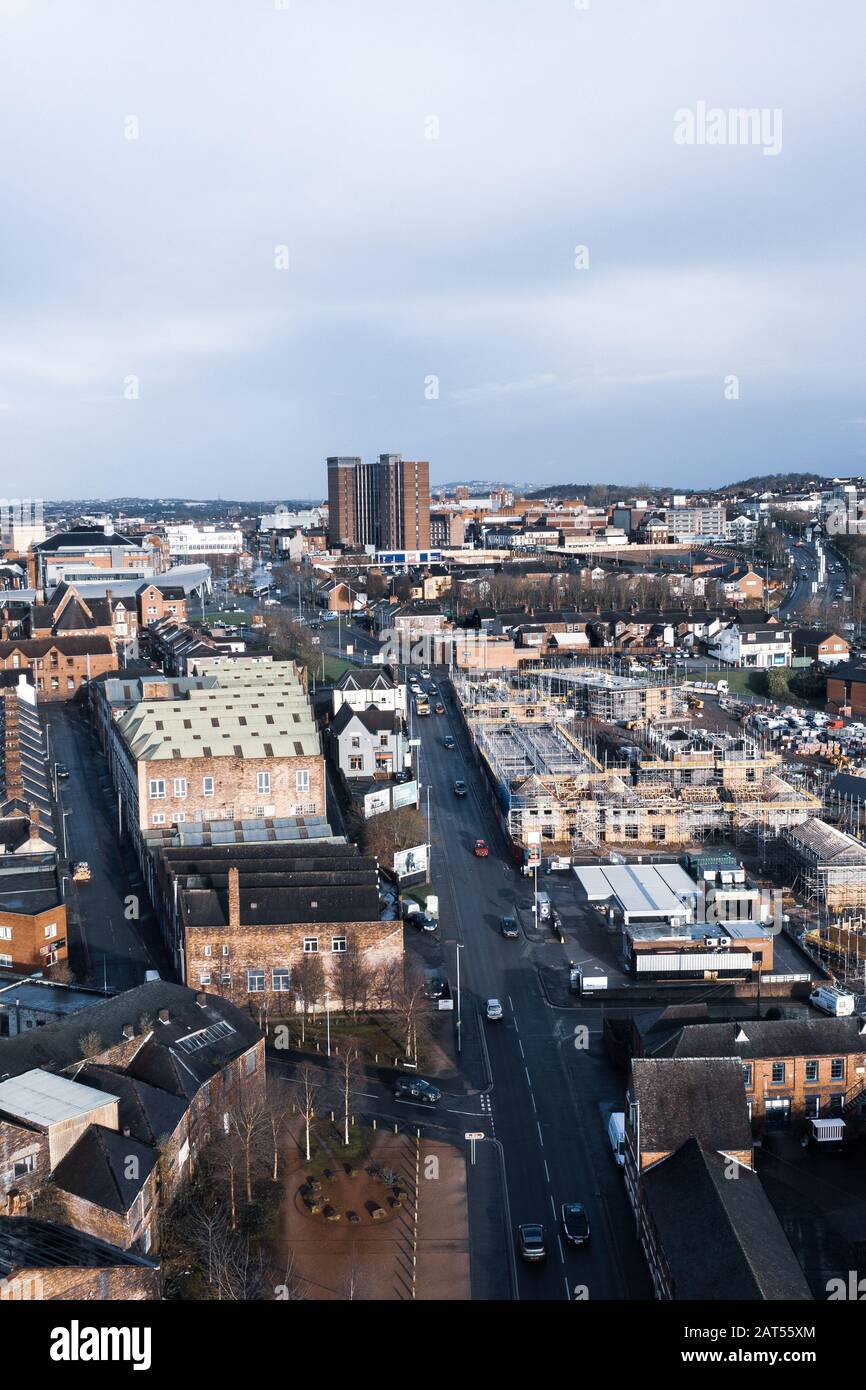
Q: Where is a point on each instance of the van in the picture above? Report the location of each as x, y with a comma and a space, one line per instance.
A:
543, 904
838, 1003
616, 1135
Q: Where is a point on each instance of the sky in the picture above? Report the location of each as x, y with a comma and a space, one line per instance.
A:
237, 236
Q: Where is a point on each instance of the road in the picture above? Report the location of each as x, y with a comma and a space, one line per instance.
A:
109, 946
549, 1095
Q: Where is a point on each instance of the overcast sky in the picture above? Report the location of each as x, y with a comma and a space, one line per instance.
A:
151, 343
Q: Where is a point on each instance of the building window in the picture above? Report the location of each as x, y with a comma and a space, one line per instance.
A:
180, 786
157, 789
302, 780
812, 1070
281, 979
263, 783
208, 950
356, 764
204, 977
778, 1074
224, 950
5, 933
255, 981
158, 818
837, 1069
338, 944
250, 1063
747, 1075
24, 1165
5, 962
311, 945
50, 930
207, 786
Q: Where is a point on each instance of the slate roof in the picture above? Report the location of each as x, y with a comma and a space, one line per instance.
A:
147, 1112
83, 538
800, 1037
96, 1168
29, 1244
720, 1237
374, 720
685, 1098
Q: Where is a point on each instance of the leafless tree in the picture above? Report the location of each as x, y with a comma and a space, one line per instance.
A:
348, 1070
308, 982
308, 1092
278, 1111
248, 1120
91, 1044
409, 1004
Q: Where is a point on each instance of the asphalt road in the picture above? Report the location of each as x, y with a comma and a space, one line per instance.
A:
550, 1097
109, 947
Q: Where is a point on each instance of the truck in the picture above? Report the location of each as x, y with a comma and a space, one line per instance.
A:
838, 1003
422, 704
582, 981
616, 1136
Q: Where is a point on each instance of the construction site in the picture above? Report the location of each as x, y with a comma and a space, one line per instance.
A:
572, 779
827, 870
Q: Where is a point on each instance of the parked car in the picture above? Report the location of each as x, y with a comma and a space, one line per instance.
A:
493, 1010
575, 1223
509, 928
530, 1243
423, 921
62, 770
81, 872
459, 788
448, 741
480, 849
415, 1088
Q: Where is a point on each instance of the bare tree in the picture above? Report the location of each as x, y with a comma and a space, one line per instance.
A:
348, 1070
308, 982
91, 1044
248, 1120
409, 1004
278, 1111
307, 1103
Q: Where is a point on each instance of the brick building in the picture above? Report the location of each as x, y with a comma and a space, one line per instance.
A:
846, 688
60, 667
241, 918
44, 1261
158, 600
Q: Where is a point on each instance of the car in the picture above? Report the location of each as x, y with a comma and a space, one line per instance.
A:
415, 1088
493, 1010
434, 689
480, 849
509, 928
61, 770
440, 708
423, 921
575, 1223
448, 741
459, 788
530, 1242
81, 872
425, 675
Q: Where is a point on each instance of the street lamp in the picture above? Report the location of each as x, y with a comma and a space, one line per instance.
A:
459, 947
328, 1020
63, 816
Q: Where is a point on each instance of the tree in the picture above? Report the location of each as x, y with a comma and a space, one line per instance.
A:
307, 1103
354, 977
247, 1122
392, 831
308, 982
409, 1003
278, 1110
777, 683
91, 1044
348, 1070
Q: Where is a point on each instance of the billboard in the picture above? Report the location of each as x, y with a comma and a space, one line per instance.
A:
376, 802
410, 863
404, 794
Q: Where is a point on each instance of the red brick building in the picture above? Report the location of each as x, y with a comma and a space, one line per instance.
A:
59, 667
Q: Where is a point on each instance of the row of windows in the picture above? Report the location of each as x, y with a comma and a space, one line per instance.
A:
311, 946
50, 930
180, 785
779, 1071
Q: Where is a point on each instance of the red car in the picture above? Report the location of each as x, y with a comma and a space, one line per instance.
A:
440, 709
480, 851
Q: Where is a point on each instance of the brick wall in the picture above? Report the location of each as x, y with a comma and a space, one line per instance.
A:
796, 1088
21, 1144
126, 1283
234, 788
153, 606
29, 938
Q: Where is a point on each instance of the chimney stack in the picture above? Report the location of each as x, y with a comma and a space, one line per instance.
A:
234, 898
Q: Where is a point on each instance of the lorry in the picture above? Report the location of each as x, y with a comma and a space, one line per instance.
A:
616, 1136
582, 981
838, 1003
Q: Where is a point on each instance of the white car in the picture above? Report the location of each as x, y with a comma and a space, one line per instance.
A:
425, 675
493, 1010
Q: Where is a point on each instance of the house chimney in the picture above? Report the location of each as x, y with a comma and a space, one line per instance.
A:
128, 1031
234, 898
163, 1016
34, 822
201, 1000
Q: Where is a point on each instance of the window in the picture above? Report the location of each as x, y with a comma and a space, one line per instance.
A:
747, 1075
250, 1063
24, 1165
255, 981
204, 977
208, 950
302, 780
356, 742
778, 1075
281, 979
159, 818
224, 950
180, 786
207, 786
812, 1070
356, 763
263, 783
180, 817
5, 962
837, 1069
311, 945
338, 944
5, 933
157, 788
50, 930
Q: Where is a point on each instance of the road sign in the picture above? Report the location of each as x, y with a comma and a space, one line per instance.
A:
475, 1134
472, 1136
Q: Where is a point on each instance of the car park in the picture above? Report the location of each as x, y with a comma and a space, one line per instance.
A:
493, 1010
530, 1242
459, 788
415, 1088
509, 928
480, 849
575, 1223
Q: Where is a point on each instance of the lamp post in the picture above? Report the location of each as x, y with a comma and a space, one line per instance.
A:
328, 1020
459, 947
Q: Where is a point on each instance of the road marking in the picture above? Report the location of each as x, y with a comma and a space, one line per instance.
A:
540, 1135
561, 1251
528, 1078
546, 1170
568, 1290
522, 1053
553, 1209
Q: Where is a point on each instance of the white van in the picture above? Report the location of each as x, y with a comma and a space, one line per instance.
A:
542, 901
830, 1000
616, 1135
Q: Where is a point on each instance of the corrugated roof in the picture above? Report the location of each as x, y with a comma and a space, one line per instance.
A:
42, 1098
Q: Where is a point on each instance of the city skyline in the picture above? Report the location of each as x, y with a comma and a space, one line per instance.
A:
517, 244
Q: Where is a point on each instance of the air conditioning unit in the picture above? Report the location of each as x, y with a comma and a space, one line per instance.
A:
712, 941
724, 941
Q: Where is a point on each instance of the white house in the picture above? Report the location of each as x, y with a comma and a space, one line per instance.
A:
752, 644
370, 686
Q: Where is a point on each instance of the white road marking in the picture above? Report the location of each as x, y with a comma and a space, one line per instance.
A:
522, 1053
561, 1251
546, 1170
540, 1135
553, 1209
528, 1078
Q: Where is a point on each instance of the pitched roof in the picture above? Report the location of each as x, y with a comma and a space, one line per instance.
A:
374, 720
685, 1098
367, 678
96, 1168
800, 1037
147, 1112
29, 1244
720, 1237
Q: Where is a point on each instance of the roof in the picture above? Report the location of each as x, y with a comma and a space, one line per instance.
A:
84, 538
750, 1039
29, 1244
686, 1098
57, 1045
41, 1098
97, 1168
369, 678
721, 1239
148, 1113
93, 644
826, 842
663, 890
374, 720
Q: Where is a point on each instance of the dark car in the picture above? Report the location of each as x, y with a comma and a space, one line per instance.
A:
414, 1088
530, 1243
448, 741
508, 926
459, 788
575, 1223
62, 770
